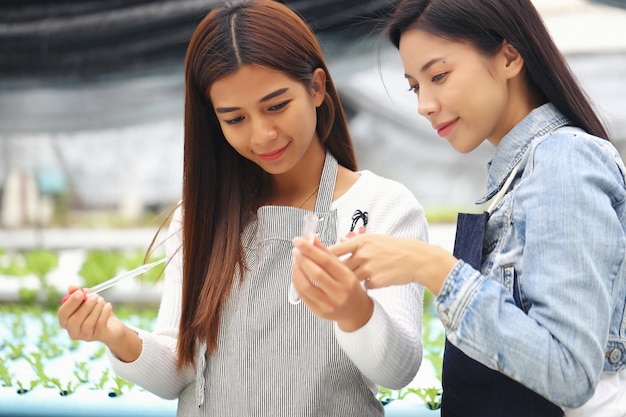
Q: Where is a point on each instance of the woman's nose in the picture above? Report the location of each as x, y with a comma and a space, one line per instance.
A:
427, 104
263, 130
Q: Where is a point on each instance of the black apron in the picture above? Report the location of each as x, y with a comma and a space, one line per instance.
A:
470, 389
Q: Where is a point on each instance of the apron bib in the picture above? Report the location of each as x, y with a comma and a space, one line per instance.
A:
470, 389
274, 358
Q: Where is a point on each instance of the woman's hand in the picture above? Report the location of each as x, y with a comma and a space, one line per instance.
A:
382, 261
91, 319
329, 288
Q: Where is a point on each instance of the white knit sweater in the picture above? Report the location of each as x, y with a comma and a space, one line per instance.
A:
387, 349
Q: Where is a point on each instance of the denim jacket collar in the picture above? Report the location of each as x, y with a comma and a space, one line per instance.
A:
515, 144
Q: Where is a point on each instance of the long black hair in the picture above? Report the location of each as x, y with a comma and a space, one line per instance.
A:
486, 24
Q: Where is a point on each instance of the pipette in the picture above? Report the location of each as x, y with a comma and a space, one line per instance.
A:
111, 282
308, 232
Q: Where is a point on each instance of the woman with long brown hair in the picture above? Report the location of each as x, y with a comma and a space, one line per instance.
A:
266, 143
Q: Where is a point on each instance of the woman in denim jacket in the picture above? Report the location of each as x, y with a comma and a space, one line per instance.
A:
533, 300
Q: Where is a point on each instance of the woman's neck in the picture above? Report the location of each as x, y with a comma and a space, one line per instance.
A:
298, 187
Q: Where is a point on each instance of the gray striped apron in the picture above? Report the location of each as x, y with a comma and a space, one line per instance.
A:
276, 359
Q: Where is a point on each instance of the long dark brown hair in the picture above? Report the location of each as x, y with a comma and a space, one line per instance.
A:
222, 189
486, 24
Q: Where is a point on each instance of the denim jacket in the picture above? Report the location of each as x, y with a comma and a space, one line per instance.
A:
547, 307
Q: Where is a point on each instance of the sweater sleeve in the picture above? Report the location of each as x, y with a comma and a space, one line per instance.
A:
156, 367
388, 349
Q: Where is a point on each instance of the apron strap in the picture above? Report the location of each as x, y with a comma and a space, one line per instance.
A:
504, 189
327, 184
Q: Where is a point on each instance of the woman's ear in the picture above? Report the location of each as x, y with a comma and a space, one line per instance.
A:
318, 86
513, 61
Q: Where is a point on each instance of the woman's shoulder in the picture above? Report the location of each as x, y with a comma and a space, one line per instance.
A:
574, 139
384, 185
571, 156
376, 189
573, 146
375, 204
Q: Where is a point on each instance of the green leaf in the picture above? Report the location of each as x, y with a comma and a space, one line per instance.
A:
41, 262
99, 266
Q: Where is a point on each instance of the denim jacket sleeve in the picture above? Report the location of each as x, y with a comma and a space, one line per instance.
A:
563, 241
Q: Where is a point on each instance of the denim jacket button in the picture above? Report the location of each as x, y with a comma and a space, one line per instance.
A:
615, 356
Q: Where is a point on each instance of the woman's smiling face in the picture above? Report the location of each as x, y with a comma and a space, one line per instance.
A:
268, 117
464, 94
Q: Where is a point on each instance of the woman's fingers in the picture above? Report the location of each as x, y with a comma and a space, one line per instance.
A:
70, 306
82, 319
320, 265
380, 260
346, 247
361, 254
310, 293
312, 270
89, 328
328, 287
383, 261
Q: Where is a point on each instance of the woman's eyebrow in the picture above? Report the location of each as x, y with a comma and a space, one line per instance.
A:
274, 94
265, 98
431, 63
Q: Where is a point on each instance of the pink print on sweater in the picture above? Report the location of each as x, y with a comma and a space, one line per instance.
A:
358, 215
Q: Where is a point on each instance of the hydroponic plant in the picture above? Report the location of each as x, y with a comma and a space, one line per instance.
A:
42, 369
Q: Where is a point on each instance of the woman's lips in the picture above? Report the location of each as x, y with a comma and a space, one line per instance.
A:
444, 128
274, 155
